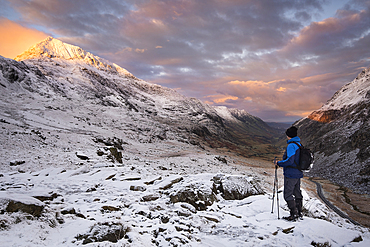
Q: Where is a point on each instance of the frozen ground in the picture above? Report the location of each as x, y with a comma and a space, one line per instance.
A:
95, 197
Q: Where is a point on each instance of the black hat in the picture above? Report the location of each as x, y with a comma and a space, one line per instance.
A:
291, 132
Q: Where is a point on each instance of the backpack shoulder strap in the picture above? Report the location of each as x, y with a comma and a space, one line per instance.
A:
299, 145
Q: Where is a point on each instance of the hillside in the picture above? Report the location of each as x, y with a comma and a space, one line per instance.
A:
78, 75
339, 134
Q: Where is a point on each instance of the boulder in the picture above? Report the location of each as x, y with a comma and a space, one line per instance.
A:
235, 187
197, 195
20, 202
106, 231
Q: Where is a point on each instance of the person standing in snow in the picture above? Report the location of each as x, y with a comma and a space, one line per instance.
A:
292, 176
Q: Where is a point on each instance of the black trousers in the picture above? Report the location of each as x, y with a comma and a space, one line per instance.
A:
292, 189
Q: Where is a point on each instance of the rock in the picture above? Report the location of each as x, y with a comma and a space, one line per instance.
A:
222, 159
115, 142
149, 198
168, 184
236, 187
197, 195
131, 179
288, 230
152, 181
189, 207
212, 218
68, 211
165, 219
110, 177
72, 211
32, 209
100, 152
137, 188
357, 240
117, 155
17, 162
81, 215
49, 197
107, 231
182, 212
82, 156
23, 203
110, 208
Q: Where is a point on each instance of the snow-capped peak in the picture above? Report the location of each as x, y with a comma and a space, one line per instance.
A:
351, 93
54, 48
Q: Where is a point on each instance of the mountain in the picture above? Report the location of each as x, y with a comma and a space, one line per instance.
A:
54, 48
60, 72
339, 135
91, 155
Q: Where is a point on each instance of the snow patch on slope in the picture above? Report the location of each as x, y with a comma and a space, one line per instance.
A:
224, 112
351, 93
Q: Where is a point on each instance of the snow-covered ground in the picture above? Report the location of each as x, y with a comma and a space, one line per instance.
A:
94, 197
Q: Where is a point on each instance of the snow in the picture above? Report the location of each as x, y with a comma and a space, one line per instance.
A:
54, 48
224, 112
351, 93
247, 222
61, 138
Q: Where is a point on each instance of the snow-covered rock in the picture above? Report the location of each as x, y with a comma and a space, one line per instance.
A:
13, 202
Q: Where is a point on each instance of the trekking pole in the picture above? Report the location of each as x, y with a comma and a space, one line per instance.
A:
277, 189
273, 193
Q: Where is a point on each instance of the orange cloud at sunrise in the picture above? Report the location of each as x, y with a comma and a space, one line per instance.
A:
14, 38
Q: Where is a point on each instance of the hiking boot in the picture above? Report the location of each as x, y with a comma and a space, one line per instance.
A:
300, 216
298, 203
290, 218
293, 211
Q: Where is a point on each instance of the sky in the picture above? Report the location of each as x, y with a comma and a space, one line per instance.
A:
277, 59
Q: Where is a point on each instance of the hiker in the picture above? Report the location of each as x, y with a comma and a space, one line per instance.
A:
292, 176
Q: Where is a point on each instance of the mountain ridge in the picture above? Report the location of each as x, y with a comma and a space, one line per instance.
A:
79, 76
339, 135
54, 48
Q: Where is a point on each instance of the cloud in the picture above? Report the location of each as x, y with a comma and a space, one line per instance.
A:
15, 39
267, 57
221, 98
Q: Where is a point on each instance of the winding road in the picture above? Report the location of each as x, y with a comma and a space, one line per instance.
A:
331, 206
